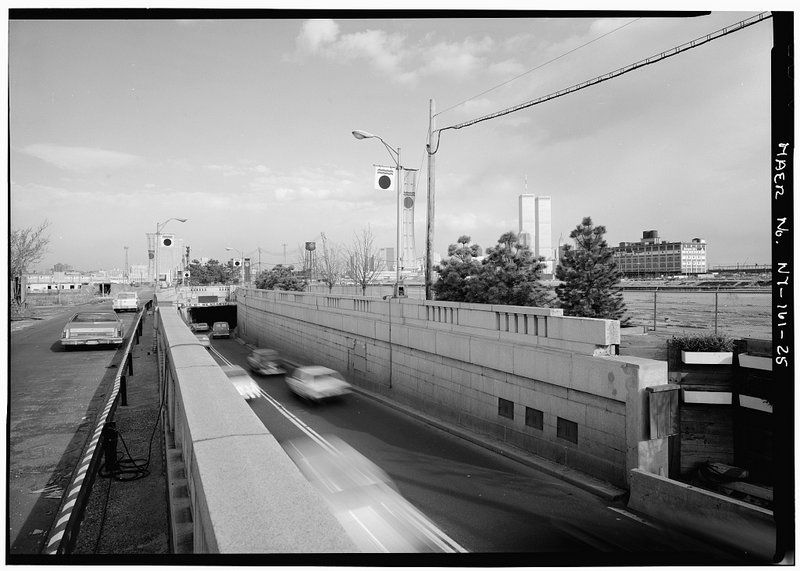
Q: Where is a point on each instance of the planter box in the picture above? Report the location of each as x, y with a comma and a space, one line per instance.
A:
705, 358
755, 361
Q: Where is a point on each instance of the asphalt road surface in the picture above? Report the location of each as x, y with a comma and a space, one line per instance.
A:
487, 503
54, 397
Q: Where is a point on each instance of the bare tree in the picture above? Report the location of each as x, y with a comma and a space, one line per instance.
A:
362, 263
27, 246
330, 264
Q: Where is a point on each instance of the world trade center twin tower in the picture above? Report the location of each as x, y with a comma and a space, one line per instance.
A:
535, 228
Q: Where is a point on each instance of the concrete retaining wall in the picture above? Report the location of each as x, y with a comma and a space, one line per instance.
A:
742, 526
565, 395
246, 494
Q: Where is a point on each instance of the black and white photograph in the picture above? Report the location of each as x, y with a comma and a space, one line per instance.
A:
400, 286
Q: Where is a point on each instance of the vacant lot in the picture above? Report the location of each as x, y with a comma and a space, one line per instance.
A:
738, 314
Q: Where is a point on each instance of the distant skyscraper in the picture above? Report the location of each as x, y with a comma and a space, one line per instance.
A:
535, 226
527, 219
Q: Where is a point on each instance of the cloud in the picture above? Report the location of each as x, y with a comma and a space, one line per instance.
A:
81, 159
391, 55
316, 33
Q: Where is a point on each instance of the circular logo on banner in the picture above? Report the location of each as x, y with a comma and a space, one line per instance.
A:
167, 241
408, 202
384, 181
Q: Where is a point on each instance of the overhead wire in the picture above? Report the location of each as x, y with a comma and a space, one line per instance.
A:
537, 67
610, 75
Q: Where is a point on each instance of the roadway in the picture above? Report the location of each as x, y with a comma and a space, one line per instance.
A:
485, 502
54, 397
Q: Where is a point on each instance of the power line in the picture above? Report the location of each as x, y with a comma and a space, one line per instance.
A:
616, 73
538, 66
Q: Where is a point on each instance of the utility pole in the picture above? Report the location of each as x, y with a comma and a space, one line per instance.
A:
284, 254
431, 197
125, 272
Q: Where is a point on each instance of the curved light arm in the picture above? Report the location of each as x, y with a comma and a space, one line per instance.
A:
392, 152
159, 227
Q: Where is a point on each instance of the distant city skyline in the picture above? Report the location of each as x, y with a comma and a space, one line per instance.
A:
244, 128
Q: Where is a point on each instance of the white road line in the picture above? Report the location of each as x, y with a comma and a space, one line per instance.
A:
631, 516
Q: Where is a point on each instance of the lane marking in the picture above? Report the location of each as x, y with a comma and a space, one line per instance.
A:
634, 517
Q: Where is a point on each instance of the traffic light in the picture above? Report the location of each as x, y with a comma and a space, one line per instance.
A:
186, 274
167, 240
237, 262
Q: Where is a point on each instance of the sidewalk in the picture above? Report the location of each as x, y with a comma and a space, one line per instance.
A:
127, 516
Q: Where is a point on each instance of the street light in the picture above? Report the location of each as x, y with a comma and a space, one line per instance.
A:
159, 228
395, 154
241, 263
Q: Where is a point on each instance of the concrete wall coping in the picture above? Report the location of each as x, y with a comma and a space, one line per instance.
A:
590, 332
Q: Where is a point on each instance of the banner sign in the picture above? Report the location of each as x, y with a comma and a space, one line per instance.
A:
384, 178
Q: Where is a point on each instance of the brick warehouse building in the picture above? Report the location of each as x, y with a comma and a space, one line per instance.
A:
650, 256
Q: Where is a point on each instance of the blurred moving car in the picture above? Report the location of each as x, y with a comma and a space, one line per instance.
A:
265, 362
126, 301
246, 386
220, 329
197, 327
317, 383
204, 340
365, 500
92, 328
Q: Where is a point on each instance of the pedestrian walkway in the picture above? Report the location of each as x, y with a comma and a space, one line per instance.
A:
127, 511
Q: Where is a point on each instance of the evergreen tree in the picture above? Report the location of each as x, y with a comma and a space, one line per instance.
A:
280, 277
511, 275
589, 274
457, 271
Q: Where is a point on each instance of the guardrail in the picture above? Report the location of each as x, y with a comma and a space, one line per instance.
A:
63, 535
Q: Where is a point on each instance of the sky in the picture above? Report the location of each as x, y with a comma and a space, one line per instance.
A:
243, 127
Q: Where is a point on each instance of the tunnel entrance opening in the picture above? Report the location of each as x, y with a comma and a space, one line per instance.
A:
211, 314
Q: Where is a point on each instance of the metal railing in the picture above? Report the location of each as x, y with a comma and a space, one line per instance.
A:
63, 535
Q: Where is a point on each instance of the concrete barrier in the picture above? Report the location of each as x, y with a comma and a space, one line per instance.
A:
742, 526
245, 494
529, 377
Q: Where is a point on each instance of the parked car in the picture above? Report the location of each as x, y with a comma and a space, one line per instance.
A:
220, 329
126, 301
317, 383
198, 327
246, 386
93, 328
265, 362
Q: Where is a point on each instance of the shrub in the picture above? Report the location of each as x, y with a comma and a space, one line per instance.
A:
702, 343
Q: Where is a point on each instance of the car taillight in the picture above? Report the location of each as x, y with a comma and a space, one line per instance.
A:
64, 334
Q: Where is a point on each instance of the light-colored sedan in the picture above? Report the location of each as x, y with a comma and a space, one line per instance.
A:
93, 328
265, 362
204, 340
243, 383
365, 500
317, 383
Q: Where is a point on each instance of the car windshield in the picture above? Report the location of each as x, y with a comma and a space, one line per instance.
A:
94, 317
220, 326
330, 374
126, 296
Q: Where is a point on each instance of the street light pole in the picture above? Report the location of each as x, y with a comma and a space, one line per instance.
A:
241, 263
397, 201
159, 228
395, 154
125, 271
